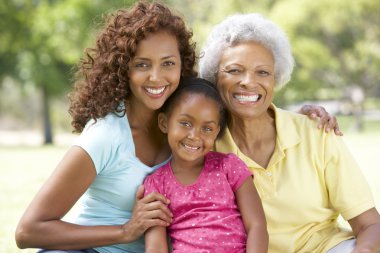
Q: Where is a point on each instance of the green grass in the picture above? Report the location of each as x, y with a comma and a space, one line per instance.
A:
24, 169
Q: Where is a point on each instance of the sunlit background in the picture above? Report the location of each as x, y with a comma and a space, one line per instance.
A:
336, 44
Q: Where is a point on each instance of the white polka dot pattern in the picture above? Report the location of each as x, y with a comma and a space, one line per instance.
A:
206, 216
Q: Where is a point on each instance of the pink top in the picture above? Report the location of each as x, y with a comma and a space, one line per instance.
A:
206, 216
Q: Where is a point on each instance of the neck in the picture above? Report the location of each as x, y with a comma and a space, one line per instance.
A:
140, 117
251, 132
187, 172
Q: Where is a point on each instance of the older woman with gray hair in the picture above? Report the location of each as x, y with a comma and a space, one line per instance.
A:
306, 178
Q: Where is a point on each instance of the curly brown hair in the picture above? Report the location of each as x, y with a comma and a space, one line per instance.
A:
101, 80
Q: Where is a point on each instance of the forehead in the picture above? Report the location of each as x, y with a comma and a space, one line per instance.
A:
194, 101
161, 43
249, 51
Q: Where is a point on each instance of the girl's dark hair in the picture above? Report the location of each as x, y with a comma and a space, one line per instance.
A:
102, 81
194, 85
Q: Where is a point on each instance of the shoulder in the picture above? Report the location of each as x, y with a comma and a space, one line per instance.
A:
110, 123
296, 118
159, 174
155, 181
295, 124
225, 159
110, 129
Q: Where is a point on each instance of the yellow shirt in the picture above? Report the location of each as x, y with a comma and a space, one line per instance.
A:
311, 179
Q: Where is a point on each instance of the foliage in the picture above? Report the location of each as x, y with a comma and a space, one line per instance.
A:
42, 40
336, 44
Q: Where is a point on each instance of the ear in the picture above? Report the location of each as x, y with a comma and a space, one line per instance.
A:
163, 122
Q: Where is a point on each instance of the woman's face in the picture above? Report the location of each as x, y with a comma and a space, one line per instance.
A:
155, 70
246, 80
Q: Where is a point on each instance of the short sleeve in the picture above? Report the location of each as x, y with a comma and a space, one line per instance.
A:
98, 143
349, 192
151, 184
236, 171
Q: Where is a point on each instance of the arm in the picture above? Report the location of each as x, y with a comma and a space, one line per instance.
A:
41, 225
253, 216
325, 120
366, 228
156, 240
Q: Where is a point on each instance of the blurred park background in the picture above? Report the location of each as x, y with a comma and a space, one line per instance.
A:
336, 44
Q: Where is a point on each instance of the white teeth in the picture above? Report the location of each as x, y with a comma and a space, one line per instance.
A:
245, 98
191, 147
154, 91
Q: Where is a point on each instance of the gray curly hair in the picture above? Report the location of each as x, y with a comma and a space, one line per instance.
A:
243, 28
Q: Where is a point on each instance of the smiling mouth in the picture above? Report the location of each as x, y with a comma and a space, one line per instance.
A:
248, 98
155, 91
191, 148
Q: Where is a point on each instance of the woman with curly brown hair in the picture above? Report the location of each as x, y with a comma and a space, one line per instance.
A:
137, 62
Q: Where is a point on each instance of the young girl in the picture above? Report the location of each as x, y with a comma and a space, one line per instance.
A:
206, 189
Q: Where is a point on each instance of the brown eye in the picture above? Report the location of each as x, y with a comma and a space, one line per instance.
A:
233, 71
263, 73
185, 123
169, 63
141, 65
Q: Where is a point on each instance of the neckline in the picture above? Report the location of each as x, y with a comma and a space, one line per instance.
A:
133, 147
193, 184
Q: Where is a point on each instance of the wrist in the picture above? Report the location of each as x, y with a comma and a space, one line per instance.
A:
127, 233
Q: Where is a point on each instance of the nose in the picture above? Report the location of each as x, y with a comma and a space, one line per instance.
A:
248, 80
193, 133
155, 74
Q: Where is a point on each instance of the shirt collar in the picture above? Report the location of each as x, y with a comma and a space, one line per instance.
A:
287, 136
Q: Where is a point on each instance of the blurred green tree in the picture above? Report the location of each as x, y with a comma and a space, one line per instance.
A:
336, 43
42, 40
337, 49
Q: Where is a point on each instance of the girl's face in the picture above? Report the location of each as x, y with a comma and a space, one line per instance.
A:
155, 71
246, 79
192, 126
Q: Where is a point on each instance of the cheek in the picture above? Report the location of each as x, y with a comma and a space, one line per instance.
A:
175, 74
211, 140
175, 132
223, 90
134, 78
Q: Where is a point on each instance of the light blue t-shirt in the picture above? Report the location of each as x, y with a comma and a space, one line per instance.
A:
111, 197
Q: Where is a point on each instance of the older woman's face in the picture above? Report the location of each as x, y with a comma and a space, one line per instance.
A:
246, 79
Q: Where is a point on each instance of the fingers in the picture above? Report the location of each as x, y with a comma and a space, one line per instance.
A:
337, 131
159, 214
330, 122
155, 196
313, 111
333, 124
158, 210
156, 222
153, 206
140, 192
149, 211
325, 119
138, 224
157, 204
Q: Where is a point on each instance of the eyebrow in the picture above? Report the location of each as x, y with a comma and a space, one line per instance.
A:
240, 64
148, 59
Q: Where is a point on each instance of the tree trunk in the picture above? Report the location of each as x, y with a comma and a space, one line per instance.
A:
48, 135
357, 98
358, 118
